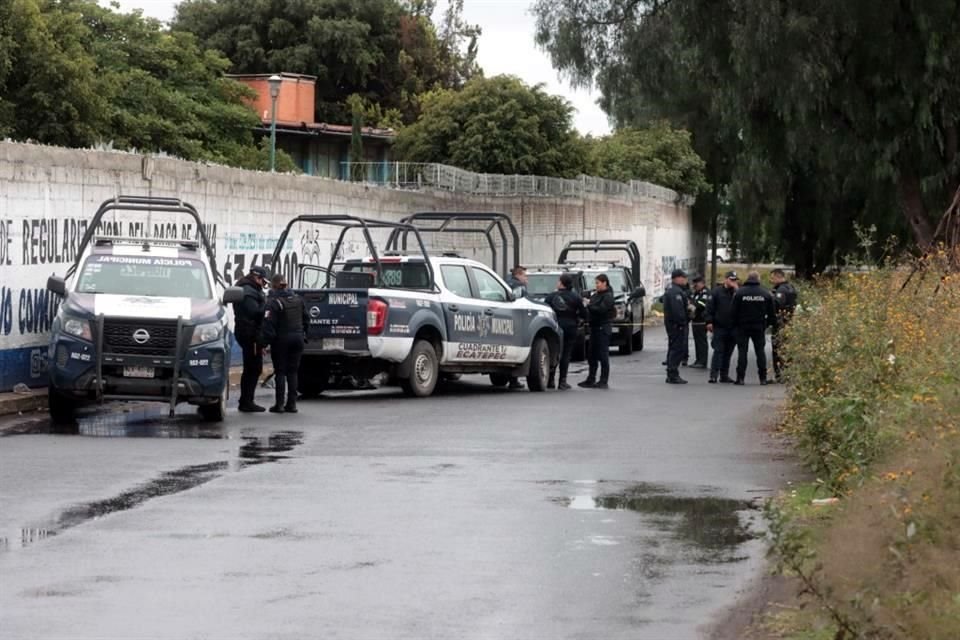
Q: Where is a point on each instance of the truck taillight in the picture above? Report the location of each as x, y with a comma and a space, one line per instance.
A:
376, 316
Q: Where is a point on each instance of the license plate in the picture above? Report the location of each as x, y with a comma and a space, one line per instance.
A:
138, 372
332, 343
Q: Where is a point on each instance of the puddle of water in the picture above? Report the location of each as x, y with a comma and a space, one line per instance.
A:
254, 451
711, 526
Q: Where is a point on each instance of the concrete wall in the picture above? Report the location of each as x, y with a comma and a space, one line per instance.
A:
48, 194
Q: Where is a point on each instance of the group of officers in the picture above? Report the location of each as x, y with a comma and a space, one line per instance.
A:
737, 315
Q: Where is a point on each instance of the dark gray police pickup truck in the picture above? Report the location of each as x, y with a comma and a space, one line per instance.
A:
416, 317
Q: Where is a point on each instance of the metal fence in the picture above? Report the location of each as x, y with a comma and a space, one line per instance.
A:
410, 175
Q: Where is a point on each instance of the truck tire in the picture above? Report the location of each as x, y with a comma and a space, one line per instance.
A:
217, 411
499, 379
62, 409
424, 370
626, 347
312, 381
539, 365
638, 340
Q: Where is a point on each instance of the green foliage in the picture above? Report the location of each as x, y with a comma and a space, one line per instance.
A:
79, 73
806, 123
386, 51
257, 158
496, 125
659, 154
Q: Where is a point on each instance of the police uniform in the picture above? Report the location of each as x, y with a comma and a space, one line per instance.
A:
283, 328
676, 321
698, 326
785, 303
248, 321
719, 316
570, 310
753, 312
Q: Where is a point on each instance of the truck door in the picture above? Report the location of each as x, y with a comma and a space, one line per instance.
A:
504, 321
463, 315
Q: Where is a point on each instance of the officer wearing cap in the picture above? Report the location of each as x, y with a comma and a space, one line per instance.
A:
700, 297
248, 320
676, 320
284, 324
719, 317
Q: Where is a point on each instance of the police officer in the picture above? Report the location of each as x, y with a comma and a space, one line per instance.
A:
283, 329
785, 303
518, 282
753, 312
568, 305
698, 325
248, 319
676, 319
719, 317
600, 312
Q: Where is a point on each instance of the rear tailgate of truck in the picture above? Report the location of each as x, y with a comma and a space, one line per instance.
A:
337, 320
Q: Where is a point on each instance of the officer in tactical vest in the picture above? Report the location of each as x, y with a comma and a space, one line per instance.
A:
248, 321
284, 324
700, 298
753, 312
785, 302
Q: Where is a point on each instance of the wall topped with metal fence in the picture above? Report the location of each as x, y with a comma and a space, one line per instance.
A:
410, 175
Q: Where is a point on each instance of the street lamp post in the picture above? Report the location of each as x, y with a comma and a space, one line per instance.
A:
274, 82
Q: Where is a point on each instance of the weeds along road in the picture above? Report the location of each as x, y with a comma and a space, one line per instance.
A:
478, 513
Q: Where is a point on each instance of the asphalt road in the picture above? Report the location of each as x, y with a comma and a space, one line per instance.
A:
478, 513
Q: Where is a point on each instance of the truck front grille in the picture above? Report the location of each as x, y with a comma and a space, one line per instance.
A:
146, 337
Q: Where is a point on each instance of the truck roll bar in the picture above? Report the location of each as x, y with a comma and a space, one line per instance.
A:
596, 246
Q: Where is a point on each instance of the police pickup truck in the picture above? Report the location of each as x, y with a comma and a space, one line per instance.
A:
141, 319
417, 317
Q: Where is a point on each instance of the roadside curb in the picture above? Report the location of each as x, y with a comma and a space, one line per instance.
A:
13, 403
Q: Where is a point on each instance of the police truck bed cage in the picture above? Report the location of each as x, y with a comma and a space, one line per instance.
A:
148, 205
458, 222
348, 222
596, 246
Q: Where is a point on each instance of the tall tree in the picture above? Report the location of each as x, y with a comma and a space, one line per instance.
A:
819, 111
496, 125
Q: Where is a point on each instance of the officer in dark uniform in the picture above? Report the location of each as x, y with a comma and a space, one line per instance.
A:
248, 319
568, 305
283, 329
518, 282
676, 319
785, 302
753, 312
698, 325
600, 311
719, 316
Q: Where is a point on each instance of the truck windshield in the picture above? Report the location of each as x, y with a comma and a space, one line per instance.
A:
407, 275
144, 276
540, 284
618, 280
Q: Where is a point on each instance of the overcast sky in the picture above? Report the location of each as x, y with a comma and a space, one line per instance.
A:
506, 46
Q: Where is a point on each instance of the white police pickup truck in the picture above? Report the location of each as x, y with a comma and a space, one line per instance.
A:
417, 317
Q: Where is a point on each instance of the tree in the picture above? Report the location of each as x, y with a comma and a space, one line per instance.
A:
495, 125
816, 114
659, 154
386, 51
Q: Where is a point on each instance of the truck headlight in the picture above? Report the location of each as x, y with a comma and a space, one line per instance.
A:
77, 328
204, 333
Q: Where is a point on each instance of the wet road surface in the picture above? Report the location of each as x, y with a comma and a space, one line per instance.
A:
479, 513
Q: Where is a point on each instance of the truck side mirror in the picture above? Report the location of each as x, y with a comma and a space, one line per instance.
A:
517, 292
232, 295
57, 285
639, 292
511, 296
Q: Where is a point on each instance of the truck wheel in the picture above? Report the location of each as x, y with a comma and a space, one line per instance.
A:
499, 379
311, 384
62, 409
424, 371
626, 348
539, 365
638, 340
217, 411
